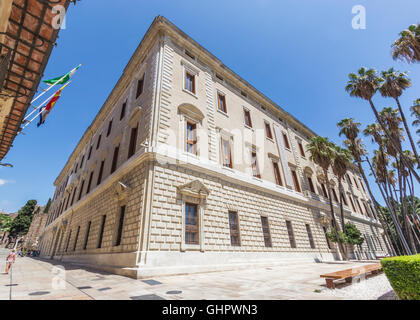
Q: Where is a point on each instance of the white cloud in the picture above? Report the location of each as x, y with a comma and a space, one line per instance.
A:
3, 182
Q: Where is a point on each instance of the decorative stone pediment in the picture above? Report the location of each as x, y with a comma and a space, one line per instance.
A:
195, 189
320, 175
323, 219
191, 111
121, 190
308, 171
134, 116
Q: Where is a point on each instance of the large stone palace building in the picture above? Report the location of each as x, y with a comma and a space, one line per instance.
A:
188, 168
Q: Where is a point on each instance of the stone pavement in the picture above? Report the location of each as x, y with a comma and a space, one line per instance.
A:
37, 279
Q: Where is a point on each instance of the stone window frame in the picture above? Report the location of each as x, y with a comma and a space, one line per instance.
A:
238, 222
140, 74
185, 117
200, 211
187, 67
223, 134
221, 93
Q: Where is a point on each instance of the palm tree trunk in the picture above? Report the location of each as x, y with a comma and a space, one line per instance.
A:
413, 146
375, 203
396, 146
340, 187
334, 221
404, 208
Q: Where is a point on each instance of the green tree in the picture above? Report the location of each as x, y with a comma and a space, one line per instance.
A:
21, 223
394, 84
47, 206
407, 46
322, 153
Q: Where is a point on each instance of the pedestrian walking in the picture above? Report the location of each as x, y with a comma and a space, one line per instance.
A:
11, 257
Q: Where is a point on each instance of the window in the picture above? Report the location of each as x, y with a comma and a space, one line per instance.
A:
286, 141
81, 162
266, 232
87, 235
109, 128
90, 152
133, 141
343, 197
361, 183
254, 165
115, 159
352, 204
234, 229
311, 185
140, 85
189, 82
74, 194
120, 226
291, 234
366, 208
334, 194
90, 182
355, 183
326, 238
99, 142
268, 132
295, 181
191, 138
359, 206
68, 242
81, 190
221, 102
189, 54
101, 232
302, 152
101, 170
324, 190
311, 239
76, 238
277, 175
123, 110
75, 168
226, 153
247, 118
191, 224
348, 179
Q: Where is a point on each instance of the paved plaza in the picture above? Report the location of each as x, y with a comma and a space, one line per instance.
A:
37, 279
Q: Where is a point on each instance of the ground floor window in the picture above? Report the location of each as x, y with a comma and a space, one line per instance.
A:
291, 234
120, 226
326, 238
311, 239
191, 224
101, 232
87, 235
234, 228
266, 232
75, 239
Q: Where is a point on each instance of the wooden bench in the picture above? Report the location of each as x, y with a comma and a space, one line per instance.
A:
349, 274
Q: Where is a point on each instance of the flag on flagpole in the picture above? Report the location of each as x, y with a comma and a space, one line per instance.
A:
46, 110
63, 78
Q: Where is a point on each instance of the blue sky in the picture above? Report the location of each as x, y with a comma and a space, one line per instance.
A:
298, 53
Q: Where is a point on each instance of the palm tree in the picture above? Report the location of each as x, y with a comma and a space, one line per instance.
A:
350, 129
415, 112
407, 46
340, 165
364, 85
322, 153
394, 84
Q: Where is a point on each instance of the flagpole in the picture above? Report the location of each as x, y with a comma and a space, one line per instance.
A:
54, 84
41, 104
42, 109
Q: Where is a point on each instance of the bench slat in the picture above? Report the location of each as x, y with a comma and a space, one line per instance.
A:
352, 272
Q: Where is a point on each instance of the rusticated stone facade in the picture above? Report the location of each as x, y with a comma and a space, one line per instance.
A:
188, 168
38, 222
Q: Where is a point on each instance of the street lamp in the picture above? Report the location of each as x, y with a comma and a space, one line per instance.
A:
6, 165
